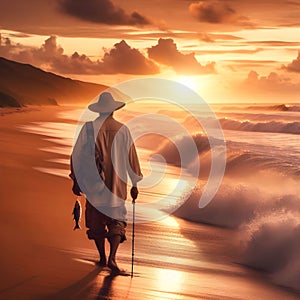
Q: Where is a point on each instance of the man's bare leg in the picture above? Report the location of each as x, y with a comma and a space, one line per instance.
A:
114, 244
100, 244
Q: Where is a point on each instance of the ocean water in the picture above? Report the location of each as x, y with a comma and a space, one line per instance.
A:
259, 195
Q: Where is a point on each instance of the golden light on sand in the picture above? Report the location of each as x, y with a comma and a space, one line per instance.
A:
170, 221
170, 280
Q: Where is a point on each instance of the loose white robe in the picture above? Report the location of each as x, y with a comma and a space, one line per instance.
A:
113, 140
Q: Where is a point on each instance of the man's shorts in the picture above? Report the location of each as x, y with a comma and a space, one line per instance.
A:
100, 225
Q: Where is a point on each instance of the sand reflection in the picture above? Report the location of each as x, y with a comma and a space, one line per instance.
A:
170, 281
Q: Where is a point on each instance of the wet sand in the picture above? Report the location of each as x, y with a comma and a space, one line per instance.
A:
43, 258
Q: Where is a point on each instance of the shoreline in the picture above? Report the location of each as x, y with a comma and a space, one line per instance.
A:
43, 258
30, 215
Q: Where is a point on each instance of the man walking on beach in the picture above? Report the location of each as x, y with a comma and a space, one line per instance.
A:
115, 157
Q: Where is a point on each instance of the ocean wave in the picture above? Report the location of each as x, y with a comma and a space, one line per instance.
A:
273, 126
259, 116
259, 197
261, 126
230, 208
246, 163
271, 243
294, 108
268, 224
169, 149
239, 162
277, 107
237, 204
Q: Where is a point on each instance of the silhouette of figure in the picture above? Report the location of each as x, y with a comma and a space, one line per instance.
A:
114, 157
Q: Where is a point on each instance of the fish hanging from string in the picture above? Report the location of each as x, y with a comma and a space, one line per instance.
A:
77, 214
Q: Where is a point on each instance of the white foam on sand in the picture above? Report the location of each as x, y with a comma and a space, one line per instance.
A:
57, 172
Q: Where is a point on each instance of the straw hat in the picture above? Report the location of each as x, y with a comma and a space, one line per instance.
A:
106, 103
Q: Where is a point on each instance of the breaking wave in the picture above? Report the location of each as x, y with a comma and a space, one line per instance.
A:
240, 161
247, 163
268, 223
238, 204
278, 107
259, 197
264, 126
273, 126
271, 243
169, 149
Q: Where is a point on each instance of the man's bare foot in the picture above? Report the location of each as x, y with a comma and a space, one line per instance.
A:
113, 265
115, 270
101, 262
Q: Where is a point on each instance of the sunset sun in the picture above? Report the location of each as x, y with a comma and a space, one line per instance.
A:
189, 81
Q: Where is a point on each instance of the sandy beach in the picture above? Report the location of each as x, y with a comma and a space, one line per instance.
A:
43, 258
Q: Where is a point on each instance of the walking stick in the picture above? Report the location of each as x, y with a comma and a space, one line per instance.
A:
132, 246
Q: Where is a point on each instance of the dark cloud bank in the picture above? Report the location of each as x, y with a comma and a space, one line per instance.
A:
102, 11
217, 12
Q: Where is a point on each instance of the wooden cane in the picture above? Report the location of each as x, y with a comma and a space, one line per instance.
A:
132, 246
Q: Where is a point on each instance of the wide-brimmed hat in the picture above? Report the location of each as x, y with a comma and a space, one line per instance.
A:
106, 103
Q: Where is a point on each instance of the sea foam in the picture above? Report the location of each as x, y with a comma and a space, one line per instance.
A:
268, 223
259, 197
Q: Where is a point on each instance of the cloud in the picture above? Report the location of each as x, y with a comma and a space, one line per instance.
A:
274, 86
102, 11
213, 37
121, 59
296, 3
237, 51
294, 66
272, 80
250, 63
274, 43
49, 56
166, 52
187, 34
126, 60
216, 12
19, 35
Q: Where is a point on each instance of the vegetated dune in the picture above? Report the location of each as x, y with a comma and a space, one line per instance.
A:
24, 84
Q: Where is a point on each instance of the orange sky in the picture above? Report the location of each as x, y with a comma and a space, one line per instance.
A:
227, 50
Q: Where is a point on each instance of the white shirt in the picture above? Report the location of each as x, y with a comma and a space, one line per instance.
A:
114, 143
